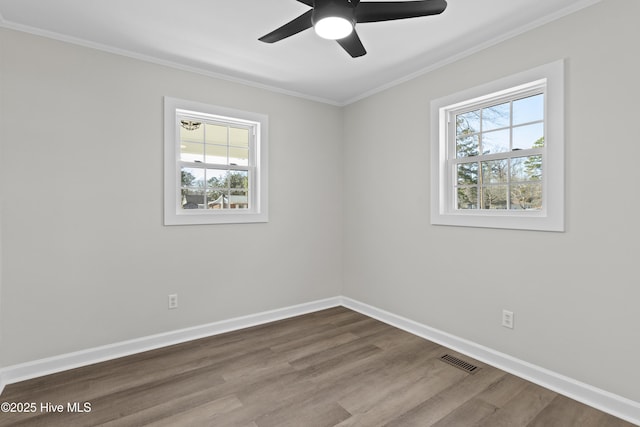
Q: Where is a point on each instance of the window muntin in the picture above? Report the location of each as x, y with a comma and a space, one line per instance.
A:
504, 140
215, 164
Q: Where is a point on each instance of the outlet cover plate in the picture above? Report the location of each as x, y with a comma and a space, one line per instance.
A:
507, 319
173, 301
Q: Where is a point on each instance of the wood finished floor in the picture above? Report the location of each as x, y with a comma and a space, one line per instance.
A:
331, 368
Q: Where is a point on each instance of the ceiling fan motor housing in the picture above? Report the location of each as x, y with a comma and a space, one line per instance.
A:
333, 8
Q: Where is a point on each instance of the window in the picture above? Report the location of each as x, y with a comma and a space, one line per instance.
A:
215, 164
498, 153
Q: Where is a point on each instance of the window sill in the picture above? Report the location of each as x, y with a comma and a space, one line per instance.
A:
506, 220
222, 217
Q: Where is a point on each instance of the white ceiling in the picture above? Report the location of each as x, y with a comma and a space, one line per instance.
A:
220, 38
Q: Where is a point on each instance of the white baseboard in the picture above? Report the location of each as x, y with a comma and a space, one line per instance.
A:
605, 401
51, 365
613, 404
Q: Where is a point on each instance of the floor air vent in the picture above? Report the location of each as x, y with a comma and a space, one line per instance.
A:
460, 364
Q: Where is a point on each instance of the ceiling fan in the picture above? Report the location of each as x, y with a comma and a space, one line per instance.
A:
336, 19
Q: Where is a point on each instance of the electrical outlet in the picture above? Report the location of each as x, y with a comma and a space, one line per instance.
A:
507, 319
173, 301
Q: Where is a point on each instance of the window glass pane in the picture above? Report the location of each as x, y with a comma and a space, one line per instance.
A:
493, 197
526, 168
518, 172
238, 180
495, 117
529, 136
239, 200
217, 178
238, 156
528, 109
192, 199
225, 200
239, 137
494, 171
216, 154
191, 152
526, 196
468, 123
468, 173
467, 198
217, 199
467, 146
216, 134
192, 177
191, 131
495, 142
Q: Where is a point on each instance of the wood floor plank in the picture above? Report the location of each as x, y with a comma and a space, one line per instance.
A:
314, 347
468, 414
169, 408
563, 412
395, 375
442, 404
203, 415
521, 409
117, 404
310, 412
334, 367
356, 328
382, 406
499, 393
377, 372
268, 394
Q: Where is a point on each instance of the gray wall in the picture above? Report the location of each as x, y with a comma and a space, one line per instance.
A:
87, 259
575, 294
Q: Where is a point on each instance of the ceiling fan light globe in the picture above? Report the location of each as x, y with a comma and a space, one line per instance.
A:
333, 27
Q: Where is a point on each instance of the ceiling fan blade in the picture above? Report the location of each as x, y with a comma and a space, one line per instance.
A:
301, 23
352, 45
390, 10
307, 2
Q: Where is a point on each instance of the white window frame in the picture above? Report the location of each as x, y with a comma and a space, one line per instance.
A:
174, 214
547, 78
